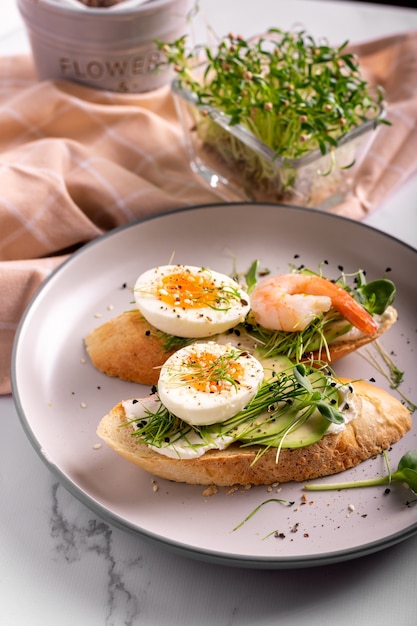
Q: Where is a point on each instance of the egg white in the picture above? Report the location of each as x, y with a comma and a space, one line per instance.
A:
201, 407
189, 322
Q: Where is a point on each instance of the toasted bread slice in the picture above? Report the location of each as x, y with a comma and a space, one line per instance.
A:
382, 421
128, 348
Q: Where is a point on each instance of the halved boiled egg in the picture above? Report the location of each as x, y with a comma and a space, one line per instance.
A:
206, 383
189, 301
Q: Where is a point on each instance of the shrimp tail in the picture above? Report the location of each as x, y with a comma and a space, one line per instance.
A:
344, 303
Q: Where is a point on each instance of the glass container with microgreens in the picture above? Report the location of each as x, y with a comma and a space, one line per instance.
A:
278, 117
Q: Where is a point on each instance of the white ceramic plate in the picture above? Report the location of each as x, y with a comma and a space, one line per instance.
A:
61, 398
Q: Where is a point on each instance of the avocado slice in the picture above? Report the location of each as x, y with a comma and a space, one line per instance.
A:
289, 425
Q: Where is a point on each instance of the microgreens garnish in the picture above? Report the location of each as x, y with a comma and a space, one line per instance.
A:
375, 296
159, 426
172, 342
251, 276
293, 93
249, 279
208, 372
406, 473
314, 338
329, 412
385, 366
283, 404
227, 293
377, 356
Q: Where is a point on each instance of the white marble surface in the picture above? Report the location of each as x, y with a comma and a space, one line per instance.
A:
60, 564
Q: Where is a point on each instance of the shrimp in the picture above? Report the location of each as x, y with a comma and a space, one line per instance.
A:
290, 302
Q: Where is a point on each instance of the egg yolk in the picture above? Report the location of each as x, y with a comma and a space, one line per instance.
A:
190, 291
212, 374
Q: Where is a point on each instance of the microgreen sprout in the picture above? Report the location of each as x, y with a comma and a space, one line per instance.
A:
207, 372
172, 342
256, 509
377, 295
392, 373
251, 276
249, 279
406, 473
384, 365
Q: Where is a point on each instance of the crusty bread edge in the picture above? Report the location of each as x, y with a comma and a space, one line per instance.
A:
383, 420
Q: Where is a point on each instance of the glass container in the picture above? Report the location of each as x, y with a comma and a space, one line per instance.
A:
232, 160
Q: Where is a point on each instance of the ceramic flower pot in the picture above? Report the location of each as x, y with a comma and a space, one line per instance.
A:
103, 48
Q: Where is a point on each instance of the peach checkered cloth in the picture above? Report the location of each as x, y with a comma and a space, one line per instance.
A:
76, 162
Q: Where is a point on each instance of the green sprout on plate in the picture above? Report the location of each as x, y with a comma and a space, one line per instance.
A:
406, 473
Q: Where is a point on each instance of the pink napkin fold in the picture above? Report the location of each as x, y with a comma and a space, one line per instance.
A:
392, 158
77, 162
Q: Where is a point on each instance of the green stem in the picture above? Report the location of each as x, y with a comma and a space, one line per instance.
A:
370, 482
255, 510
